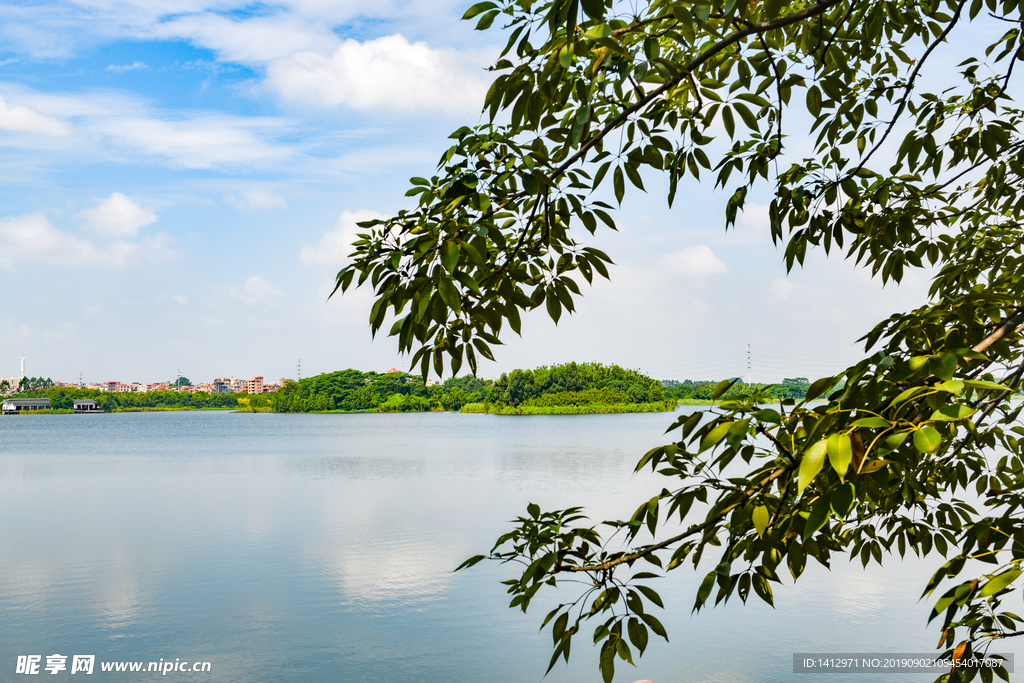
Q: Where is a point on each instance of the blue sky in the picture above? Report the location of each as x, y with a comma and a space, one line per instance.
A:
180, 181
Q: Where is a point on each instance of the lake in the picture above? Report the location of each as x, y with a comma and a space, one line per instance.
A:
321, 548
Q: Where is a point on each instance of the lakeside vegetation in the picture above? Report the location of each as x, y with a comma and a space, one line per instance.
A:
351, 391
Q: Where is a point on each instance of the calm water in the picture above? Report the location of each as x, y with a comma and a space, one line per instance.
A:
320, 548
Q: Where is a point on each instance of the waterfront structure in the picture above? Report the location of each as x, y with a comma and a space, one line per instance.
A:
13, 406
85, 406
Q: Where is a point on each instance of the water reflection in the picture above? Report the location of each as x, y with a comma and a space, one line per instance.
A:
320, 547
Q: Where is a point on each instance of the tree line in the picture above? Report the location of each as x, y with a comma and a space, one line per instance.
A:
791, 387
353, 390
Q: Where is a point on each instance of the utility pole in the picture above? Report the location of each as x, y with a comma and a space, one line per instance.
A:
748, 363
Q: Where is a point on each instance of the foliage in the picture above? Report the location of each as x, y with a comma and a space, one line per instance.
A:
702, 391
34, 384
573, 384
347, 390
897, 178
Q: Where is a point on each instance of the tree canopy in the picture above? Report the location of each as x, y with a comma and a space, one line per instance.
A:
920, 450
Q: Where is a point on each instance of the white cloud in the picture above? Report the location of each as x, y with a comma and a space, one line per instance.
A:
20, 119
388, 72
253, 40
203, 141
181, 299
258, 290
31, 239
258, 198
697, 261
782, 288
125, 128
117, 215
335, 246
122, 68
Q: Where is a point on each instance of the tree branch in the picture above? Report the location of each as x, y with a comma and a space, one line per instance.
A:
753, 29
689, 532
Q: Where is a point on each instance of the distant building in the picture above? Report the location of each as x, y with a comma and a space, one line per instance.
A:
13, 406
86, 406
255, 385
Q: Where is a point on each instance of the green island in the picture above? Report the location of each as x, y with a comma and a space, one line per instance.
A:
567, 389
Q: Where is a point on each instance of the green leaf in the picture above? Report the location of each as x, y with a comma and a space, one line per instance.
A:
842, 499
478, 8
651, 595
927, 439
769, 415
760, 518
594, 9
449, 293
819, 387
715, 435
954, 412
728, 122
449, 255
840, 453
721, 388
811, 464
634, 176
999, 583
985, 386
554, 307
871, 423
817, 518
486, 20
814, 101
620, 184
471, 561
